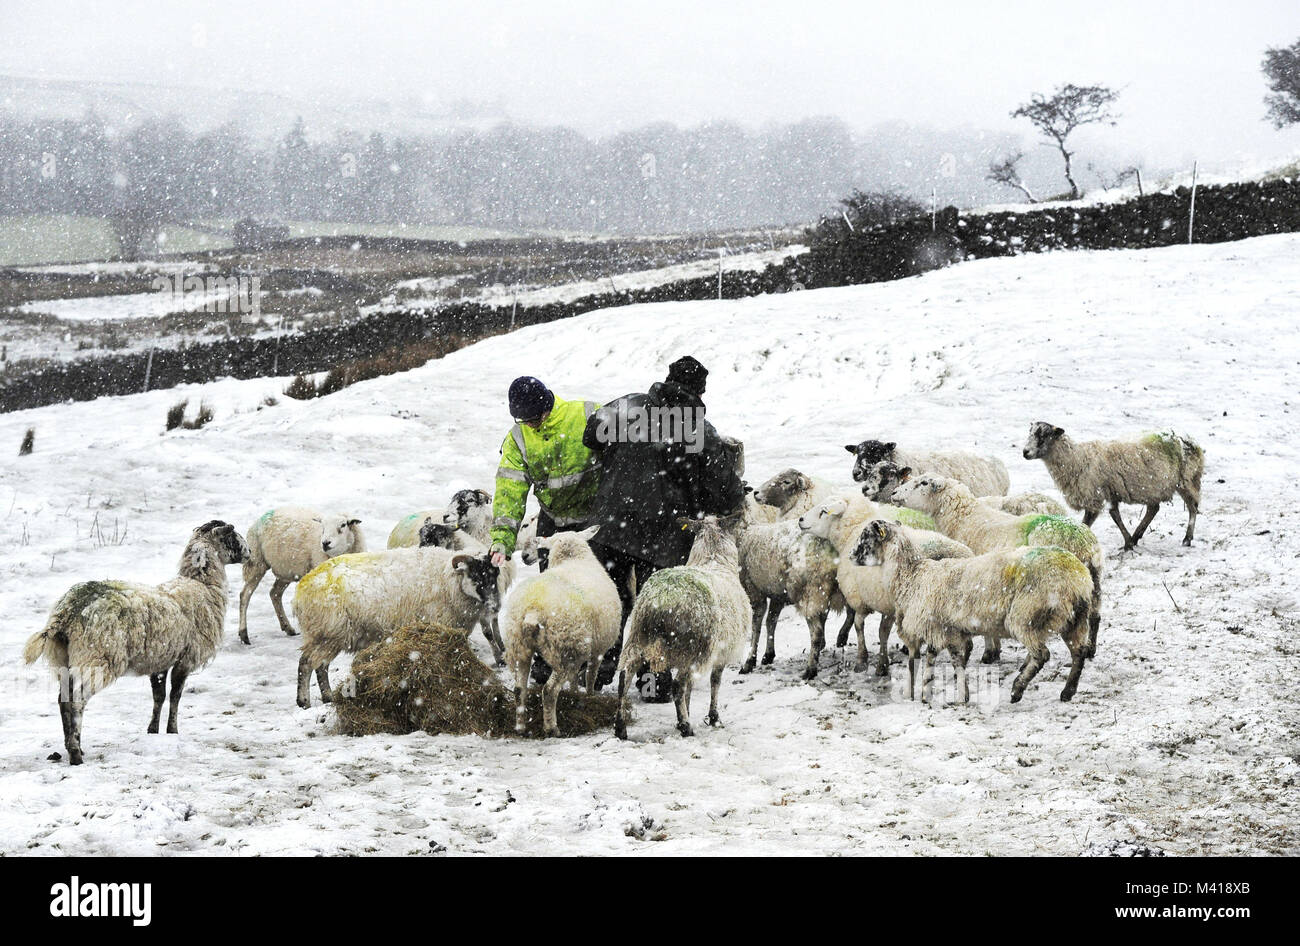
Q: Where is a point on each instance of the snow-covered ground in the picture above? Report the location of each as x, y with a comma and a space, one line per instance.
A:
1182, 735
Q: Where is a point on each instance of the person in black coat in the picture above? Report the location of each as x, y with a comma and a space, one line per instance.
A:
660, 461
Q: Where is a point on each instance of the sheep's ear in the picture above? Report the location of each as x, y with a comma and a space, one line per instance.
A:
837, 507
880, 529
354, 522
589, 533
484, 495
890, 446
852, 448
804, 481
1058, 431
904, 474
461, 562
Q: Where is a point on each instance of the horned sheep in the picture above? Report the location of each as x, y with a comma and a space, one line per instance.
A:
688, 619
1146, 470
984, 476
99, 631
569, 615
289, 541
1028, 593
350, 601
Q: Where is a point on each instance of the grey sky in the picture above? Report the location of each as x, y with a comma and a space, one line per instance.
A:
1189, 70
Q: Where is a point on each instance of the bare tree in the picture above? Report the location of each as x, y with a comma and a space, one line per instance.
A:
1069, 107
1282, 69
1005, 171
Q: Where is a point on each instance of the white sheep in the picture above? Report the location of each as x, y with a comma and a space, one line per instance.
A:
569, 615
526, 541
350, 601
289, 541
406, 533
839, 522
688, 619
984, 476
793, 493
881, 479
101, 630
471, 510
1146, 470
1029, 594
984, 529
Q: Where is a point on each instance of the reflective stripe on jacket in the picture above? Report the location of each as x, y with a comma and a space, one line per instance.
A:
552, 462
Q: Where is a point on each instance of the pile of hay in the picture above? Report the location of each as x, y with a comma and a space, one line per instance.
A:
427, 677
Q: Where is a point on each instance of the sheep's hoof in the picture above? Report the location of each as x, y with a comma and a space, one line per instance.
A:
152, 729
1066, 695
882, 666
747, 666
713, 719
243, 637
500, 661
769, 657
172, 730
74, 758
1187, 543
303, 704
861, 666
289, 632
620, 728
810, 672
553, 732
842, 640
685, 729
1130, 546
1016, 695
991, 657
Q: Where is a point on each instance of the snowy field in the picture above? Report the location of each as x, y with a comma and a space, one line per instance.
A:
1183, 735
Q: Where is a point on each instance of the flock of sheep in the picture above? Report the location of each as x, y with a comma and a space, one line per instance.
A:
930, 541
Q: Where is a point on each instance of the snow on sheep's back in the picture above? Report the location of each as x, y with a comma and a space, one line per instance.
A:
1197, 338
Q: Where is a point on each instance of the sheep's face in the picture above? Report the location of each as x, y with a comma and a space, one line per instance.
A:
783, 490
822, 519
228, 543
921, 494
881, 479
467, 509
870, 547
338, 534
528, 540
1042, 437
436, 534
478, 580
867, 454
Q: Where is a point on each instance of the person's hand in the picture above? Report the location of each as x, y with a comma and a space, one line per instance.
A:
498, 557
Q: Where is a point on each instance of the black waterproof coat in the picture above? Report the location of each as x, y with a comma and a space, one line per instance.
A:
650, 478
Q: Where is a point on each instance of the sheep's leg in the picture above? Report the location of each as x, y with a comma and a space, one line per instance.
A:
620, 717
816, 644
246, 595
593, 672
159, 683
859, 628
1152, 509
927, 682
277, 602
1076, 668
323, 681
773, 612
1090, 516
498, 653
850, 620
498, 644
960, 656
715, 681
304, 682
1192, 500
70, 713
179, 674
1094, 620
520, 668
992, 649
882, 657
756, 631
913, 654
682, 701
1033, 663
550, 695
1119, 521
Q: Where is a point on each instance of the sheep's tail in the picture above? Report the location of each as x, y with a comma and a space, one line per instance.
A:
51, 646
255, 565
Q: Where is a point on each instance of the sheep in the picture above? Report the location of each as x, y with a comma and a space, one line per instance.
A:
839, 522
985, 529
99, 631
471, 510
689, 618
792, 493
1146, 470
527, 540
406, 534
1029, 593
780, 566
985, 476
881, 479
350, 601
569, 615
289, 541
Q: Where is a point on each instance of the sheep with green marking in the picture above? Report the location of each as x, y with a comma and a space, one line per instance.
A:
840, 522
961, 516
881, 479
1030, 594
1145, 470
984, 476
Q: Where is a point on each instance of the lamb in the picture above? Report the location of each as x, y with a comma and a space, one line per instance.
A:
839, 522
569, 615
780, 566
1146, 470
881, 479
101, 630
985, 529
350, 601
289, 541
688, 619
984, 476
1026, 593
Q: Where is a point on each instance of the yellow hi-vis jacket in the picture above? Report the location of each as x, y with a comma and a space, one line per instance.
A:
552, 461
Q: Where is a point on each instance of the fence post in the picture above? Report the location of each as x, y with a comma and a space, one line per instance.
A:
148, 369
1191, 215
934, 205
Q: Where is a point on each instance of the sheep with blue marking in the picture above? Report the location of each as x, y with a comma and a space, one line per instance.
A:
1145, 470
1030, 594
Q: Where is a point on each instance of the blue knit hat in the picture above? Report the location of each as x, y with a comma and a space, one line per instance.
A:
529, 398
